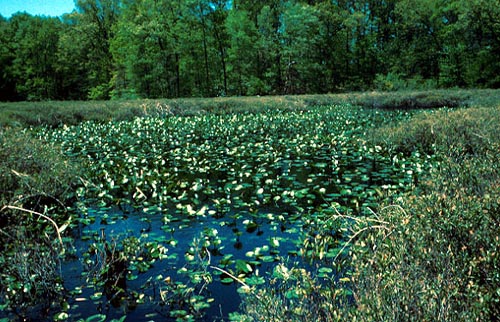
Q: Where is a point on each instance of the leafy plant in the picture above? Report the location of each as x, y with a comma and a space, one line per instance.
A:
35, 182
319, 184
441, 260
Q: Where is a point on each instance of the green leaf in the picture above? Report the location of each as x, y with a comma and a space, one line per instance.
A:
62, 316
227, 280
325, 270
96, 318
243, 266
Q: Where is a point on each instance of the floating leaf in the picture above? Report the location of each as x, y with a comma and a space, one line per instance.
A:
96, 318
62, 316
227, 280
243, 266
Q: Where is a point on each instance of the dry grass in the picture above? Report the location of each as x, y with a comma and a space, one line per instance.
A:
57, 113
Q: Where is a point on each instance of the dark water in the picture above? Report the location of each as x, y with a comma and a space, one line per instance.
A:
237, 238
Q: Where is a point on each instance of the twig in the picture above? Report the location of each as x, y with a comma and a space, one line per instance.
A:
205, 268
392, 206
38, 195
236, 279
43, 216
355, 235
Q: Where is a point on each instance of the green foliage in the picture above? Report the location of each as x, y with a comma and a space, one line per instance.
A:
34, 66
394, 82
126, 49
97, 20
34, 176
294, 294
243, 55
427, 251
441, 260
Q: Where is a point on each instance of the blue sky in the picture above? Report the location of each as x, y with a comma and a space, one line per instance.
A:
36, 7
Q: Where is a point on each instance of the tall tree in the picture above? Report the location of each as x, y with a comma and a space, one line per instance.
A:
269, 24
7, 55
243, 54
147, 49
334, 49
72, 59
482, 19
302, 70
173, 48
98, 18
217, 14
34, 44
418, 37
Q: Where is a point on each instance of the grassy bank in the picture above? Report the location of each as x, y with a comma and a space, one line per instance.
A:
37, 183
430, 255
55, 114
440, 259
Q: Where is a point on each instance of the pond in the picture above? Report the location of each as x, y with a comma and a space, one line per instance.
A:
233, 241
177, 213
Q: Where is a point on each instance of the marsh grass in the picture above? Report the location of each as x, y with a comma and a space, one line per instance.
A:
31, 169
58, 113
442, 261
36, 182
438, 257
455, 133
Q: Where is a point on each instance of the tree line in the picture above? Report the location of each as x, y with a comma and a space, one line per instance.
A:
180, 48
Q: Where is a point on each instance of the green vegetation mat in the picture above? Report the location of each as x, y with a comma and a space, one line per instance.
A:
369, 206
57, 113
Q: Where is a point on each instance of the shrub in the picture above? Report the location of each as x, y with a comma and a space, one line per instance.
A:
440, 262
396, 82
31, 168
442, 259
454, 133
433, 256
33, 176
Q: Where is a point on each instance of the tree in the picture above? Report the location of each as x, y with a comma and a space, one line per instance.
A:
217, 13
34, 44
302, 70
72, 59
334, 49
243, 54
7, 55
270, 56
147, 49
97, 20
174, 48
482, 19
418, 40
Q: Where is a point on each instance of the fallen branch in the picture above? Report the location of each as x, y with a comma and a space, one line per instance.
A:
58, 230
235, 278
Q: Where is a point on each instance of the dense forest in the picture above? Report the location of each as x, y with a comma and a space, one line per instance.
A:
180, 48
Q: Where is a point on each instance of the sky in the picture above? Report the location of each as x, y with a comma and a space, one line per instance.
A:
36, 7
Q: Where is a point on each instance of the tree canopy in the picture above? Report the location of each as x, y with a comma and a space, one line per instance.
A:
172, 48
